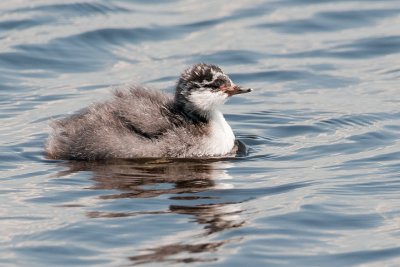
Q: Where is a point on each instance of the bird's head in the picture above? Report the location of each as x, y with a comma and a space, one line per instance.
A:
203, 88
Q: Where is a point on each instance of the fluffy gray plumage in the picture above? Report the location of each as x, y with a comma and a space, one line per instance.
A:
137, 123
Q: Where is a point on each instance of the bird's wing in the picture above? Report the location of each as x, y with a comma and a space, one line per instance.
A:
142, 110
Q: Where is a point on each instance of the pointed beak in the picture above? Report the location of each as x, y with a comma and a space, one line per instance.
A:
235, 90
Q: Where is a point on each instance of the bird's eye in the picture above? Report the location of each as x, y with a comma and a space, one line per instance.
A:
217, 83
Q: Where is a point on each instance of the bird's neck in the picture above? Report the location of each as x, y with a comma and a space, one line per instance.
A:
220, 138
193, 113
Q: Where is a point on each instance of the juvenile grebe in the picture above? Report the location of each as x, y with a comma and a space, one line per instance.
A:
144, 123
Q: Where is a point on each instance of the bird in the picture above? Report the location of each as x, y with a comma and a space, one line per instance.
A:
142, 122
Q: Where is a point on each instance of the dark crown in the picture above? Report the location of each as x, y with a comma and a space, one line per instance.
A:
197, 74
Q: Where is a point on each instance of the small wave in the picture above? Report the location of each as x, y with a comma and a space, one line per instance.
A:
331, 21
227, 57
355, 120
309, 79
74, 9
357, 49
11, 25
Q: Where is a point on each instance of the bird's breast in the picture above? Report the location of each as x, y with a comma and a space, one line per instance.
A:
220, 140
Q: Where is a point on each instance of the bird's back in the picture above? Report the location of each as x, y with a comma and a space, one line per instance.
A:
138, 122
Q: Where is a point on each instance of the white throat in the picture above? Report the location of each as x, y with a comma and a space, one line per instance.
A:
220, 140
206, 101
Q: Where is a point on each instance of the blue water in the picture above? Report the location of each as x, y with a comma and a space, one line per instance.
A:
320, 185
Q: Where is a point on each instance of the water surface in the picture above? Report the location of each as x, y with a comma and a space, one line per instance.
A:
320, 185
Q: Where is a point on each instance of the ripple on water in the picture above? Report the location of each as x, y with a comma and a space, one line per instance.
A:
325, 219
354, 134
333, 259
332, 21
20, 24
90, 50
363, 48
74, 9
228, 57
319, 186
304, 79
